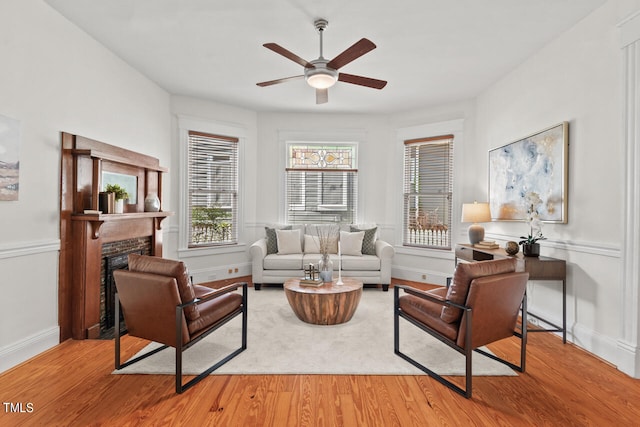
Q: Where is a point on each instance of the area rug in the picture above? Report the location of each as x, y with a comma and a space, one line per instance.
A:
279, 343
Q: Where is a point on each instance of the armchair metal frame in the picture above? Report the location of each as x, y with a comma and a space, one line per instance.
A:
467, 350
180, 347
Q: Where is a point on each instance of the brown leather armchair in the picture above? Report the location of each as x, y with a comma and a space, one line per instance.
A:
480, 306
160, 304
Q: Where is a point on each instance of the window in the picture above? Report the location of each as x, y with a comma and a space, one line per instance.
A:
212, 189
428, 184
321, 183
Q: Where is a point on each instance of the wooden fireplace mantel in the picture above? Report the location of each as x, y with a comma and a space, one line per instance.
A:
115, 232
83, 234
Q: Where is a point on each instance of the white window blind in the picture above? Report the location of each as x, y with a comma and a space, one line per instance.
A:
213, 189
321, 183
428, 184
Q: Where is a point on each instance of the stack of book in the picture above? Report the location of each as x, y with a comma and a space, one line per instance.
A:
311, 282
486, 244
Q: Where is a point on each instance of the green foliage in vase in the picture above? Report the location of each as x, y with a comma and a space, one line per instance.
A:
119, 192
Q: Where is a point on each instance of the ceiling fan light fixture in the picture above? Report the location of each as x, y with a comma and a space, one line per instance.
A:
321, 74
321, 78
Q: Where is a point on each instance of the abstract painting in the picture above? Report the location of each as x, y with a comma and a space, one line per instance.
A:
9, 163
535, 165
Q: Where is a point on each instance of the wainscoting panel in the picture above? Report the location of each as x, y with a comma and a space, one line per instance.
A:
29, 270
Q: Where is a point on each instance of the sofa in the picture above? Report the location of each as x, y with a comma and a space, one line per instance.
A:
285, 251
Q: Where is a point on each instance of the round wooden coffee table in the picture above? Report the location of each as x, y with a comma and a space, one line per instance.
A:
328, 304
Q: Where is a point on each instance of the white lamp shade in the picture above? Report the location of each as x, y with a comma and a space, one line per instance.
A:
476, 212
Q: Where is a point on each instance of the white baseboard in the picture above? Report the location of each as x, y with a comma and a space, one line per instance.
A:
29, 347
601, 345
629, 359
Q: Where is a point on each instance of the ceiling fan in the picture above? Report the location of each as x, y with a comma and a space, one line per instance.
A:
321, 73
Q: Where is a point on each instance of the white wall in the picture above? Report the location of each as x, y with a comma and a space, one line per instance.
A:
576, 78
55, 78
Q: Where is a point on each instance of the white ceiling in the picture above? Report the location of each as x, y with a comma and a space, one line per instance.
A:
431, 52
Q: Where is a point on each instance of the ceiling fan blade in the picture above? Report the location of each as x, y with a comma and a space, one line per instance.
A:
289, 55
275, 82
358, 49
362, 81
322, 96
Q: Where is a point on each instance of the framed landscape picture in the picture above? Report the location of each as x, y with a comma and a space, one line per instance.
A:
532, 166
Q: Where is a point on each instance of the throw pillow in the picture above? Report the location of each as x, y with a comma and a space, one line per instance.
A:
333, 245
351, 243
288, 242
369, 241
311, 244
272, 241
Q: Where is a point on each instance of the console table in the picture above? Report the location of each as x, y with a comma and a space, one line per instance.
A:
539, 268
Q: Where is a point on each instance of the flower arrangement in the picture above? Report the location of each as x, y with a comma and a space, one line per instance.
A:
532, 201
327, 237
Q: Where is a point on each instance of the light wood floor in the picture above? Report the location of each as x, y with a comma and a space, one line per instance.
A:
72, 384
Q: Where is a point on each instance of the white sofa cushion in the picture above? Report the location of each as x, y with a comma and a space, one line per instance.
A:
315, 258
311, 244
288, 242
351, 243
329, 231
355, 263
272, 240
283, 262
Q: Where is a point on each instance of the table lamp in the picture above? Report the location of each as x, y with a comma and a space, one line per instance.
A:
476, 212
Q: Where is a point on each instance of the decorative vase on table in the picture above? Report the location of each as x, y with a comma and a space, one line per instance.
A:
325, 266
152, 203
531, 249
511, 248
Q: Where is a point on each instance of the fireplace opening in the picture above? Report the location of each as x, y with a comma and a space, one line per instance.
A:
116, 257
113, 263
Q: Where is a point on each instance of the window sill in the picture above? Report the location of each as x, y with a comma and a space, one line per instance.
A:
429, 252
211, 250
